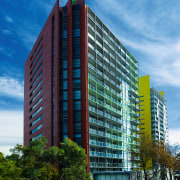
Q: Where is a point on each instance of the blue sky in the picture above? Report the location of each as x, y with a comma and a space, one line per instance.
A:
149, 29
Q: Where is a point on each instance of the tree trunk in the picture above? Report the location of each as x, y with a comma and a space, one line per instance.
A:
145, 174
61, 176
170, 174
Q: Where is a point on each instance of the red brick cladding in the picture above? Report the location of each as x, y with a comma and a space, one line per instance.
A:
46, 130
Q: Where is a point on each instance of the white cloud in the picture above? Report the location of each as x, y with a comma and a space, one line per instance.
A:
11, 129
174, 136
178, 47
11, 87
9, 19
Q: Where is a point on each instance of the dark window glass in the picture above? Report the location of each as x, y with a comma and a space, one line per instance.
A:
65, 128
76, 73
65, 117
76, 33
77, 116
65, 34
78, 141
76, 84
65, 106
65, 74
64, 84
77, 94
65, 95
77, 105
77, 128
76, 63
64, 64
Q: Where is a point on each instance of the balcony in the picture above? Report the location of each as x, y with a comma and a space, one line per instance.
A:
135, 129
105, 165
97, 154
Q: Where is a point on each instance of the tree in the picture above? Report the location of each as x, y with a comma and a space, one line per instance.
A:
37, 162
73, 161
50, 157
8, 169
164, 159
145, 154
154, 156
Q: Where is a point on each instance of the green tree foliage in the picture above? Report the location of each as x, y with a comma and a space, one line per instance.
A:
74, 161
8, 169
37, 162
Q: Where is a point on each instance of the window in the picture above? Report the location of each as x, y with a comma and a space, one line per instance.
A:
36, 88
37, 103
37, 48
36, 72
77, 128
36, 64
76, 33
77, 116
36, 129
77, 140
65, 117
36, 56
36, 80
76, 84
76, 73
64, 84
77, 105
37, 137
77, 94
64, 64
65, 128
36, 120
65, 95
65, 34
36, 112
65, 74
65, 106
76, 63
35, 97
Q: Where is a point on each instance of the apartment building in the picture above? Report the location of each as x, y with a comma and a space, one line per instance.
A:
153, 110
81, 83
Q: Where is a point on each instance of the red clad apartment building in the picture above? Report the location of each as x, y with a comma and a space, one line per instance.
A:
75, 77
52, 81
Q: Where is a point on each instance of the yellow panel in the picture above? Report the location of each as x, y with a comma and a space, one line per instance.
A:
162, 93
145, 106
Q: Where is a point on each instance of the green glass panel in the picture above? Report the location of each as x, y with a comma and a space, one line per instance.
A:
73, 1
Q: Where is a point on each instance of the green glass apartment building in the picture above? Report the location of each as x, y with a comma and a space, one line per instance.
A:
113, 100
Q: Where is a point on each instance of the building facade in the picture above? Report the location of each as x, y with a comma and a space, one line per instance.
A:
159, 116
153, 111
81, 83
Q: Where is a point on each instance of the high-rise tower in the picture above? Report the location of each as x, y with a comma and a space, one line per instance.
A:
81, 83
154, 111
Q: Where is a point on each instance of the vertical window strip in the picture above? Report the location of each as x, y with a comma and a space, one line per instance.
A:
36, 48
